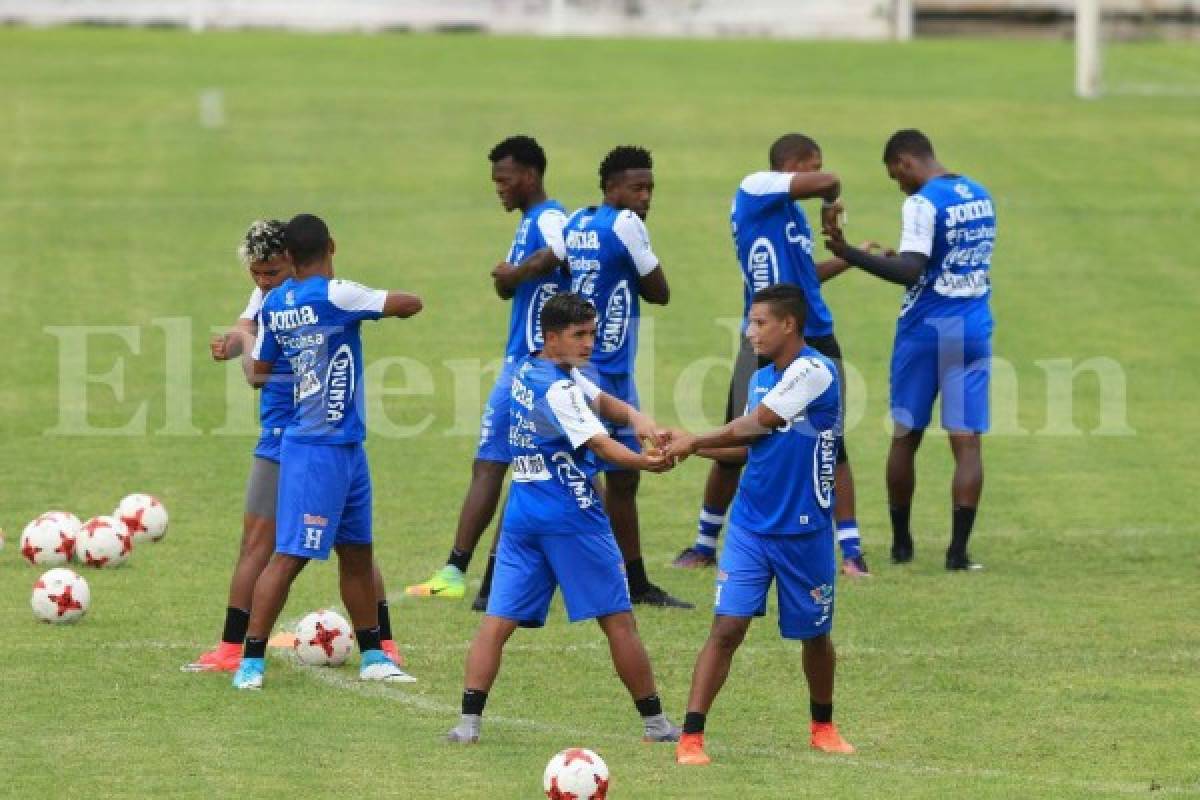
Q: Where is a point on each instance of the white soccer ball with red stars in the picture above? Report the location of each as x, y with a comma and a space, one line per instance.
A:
60, 595
144, 517
323, 639
48, 540
103, 542
576, 774
69, 521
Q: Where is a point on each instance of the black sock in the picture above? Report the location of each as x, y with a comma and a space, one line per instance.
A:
964, 520
473, 701
693, 722
635, 572
255, 648
901, 535
385, 621
368, 639
236, 622
649, 706
485, 588
821, 712
459, 558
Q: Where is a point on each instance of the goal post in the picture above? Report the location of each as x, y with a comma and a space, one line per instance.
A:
1087, 48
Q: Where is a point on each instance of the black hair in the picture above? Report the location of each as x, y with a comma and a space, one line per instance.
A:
785, 299
566, 309
307, 238
909, 141
621, 158
791, 145
522, 149
262, 242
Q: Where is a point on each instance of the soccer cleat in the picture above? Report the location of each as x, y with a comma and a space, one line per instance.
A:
657, 596
463, 734
225, 657
902, 552
250, 674
446, 582
855, 567
670, 735
376, 666
479, 603
960, 561
691, 558
392, 651
825, 737
690, 751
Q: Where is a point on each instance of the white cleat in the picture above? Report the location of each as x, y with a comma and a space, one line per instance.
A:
385, 672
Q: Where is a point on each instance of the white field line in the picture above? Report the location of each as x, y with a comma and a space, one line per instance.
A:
405, 695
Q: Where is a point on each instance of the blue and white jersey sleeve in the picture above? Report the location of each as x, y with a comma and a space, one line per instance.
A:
266, 346
631, 231
569, 408
803, 381
550, 225
253, 305
590, 390
918, 221
356, 301
762, 191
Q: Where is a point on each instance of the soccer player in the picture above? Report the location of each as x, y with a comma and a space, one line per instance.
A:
312, 321
518, 170
555, 530
262, 252
781, 525
774, 244
943, 335
613, 266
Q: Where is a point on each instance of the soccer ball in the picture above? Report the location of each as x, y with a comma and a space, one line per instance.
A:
48, 540
576, 774
69, 521
144, 517
60, 596
104, 542
323, 639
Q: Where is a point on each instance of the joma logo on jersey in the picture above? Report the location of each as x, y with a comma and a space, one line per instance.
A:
291, 318
824, 463
762, 264
584, 240
572, 477
339, 384
533, 323
965, 212
792, 232
616, 318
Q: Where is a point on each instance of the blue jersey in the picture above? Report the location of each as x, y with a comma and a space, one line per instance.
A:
552, 471
541, 226
609, 251
774, 245
787, 484
313, 324
275, 397
952, 221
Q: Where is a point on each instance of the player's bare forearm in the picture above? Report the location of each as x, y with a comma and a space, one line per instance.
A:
653, 287
260, 373
614, 452
740, 432
904, 268
507, 277
732, 456
621, 413
402, 305
826, 185
830, 269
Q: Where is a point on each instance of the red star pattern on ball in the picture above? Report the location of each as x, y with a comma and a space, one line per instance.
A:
92, 561
66, 545
126, 543
601, 792
577, 754
134, 521
324, 639
556, 793
30, 552
65, 601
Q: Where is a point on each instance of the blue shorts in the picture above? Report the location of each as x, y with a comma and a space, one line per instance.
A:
324, 498
621, 387
802, 567
959, 369
588, 567
269, 443
493, 427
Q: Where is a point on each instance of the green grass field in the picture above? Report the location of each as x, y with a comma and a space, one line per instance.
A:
1068, 669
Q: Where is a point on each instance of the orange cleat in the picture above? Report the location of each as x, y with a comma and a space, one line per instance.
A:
825, 737
225, 657
690, 750
393, 651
